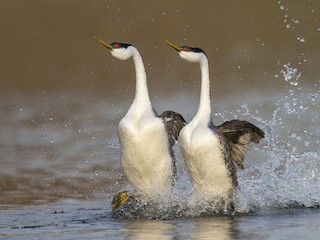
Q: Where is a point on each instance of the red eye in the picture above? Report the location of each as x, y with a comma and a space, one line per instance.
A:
116, 45
185, 49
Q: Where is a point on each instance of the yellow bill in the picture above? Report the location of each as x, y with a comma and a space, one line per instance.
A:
174, 46
105, 44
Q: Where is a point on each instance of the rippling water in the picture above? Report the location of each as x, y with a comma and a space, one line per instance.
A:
63, 95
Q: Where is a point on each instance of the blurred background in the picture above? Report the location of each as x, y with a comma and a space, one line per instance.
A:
63, 94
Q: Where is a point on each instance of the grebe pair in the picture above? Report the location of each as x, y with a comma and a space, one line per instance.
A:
146, 138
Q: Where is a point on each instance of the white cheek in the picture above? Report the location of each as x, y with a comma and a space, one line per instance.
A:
182, 55
120, 54
189, 56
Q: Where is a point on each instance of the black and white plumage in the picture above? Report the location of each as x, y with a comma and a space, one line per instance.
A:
146, 138
210, 151
174, 123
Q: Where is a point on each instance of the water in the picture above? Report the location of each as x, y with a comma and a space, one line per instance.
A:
63, 95
72, 220
60, 169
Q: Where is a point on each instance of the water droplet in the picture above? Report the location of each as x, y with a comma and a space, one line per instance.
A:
294, 101
291, 74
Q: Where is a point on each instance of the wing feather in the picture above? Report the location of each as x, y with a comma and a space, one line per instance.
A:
239, 134
174, 122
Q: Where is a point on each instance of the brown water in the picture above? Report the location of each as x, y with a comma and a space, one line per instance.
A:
63, 94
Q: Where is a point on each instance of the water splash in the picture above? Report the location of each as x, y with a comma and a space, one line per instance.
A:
281, 172
286, 178
291, 74
301, 39
180, 204
289, 23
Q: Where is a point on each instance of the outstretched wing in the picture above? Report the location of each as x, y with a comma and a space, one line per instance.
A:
174, 122
239, 134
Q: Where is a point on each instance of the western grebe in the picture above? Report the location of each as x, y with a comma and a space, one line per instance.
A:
210, 151
146, 138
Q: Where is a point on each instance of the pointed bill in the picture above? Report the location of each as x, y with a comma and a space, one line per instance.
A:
105, 44
174, 46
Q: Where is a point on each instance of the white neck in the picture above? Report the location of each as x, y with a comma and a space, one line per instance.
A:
141, 99
204, 111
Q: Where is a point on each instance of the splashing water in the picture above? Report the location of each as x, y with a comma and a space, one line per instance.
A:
291, 74
280, 172
286, 178
289, 174
284, 174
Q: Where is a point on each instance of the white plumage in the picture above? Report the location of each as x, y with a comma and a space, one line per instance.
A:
210, 151
146, 154
201, 147
145, 158
205, 161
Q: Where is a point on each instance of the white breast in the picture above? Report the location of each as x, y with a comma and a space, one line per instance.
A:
204, 159
146, 160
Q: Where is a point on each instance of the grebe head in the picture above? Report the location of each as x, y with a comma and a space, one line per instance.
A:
191, 54
122, 51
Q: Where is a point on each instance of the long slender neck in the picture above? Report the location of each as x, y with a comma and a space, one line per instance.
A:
141, 99
204, 111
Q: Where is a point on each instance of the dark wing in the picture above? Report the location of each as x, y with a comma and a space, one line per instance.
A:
174, 122
239, 134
